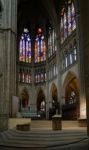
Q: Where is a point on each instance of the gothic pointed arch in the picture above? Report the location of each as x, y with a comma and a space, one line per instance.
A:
55, 103
71, 96
24, 97
70, 75
54, 92
41, 103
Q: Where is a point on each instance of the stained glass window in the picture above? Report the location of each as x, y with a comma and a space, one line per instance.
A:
67, 22
40, 76
75, 53
52, 46
70, 57
25, 75
73, 16
62, 25
40, 47
65, 26
45, 78
25, 47
66, 61
29, 77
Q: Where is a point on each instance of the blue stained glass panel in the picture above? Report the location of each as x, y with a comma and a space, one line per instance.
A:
40, 48
25, 47
68, 22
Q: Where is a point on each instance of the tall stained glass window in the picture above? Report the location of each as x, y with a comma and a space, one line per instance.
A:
25, 47
40, 47
68, 22
73, 17
52, 46
62, 29
65, 26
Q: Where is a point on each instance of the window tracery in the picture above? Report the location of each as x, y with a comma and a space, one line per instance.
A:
68, 22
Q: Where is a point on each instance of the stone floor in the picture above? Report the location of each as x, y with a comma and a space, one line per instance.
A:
42, 137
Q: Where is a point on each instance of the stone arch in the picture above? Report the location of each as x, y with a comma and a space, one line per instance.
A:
54, 101
24, 98
41, 103
71, 96
70, 75
54, 92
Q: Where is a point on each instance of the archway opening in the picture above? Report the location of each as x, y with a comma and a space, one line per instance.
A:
55, 104
24, 100
41, 104
70, 110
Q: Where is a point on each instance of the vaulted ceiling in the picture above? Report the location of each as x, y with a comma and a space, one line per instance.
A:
32, 13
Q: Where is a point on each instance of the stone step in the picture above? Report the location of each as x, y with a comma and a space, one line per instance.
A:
42, 137
32, 139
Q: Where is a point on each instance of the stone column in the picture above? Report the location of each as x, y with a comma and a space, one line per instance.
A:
84, 42
8, 60
58, 59
47, 84
33, 106
80, 62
